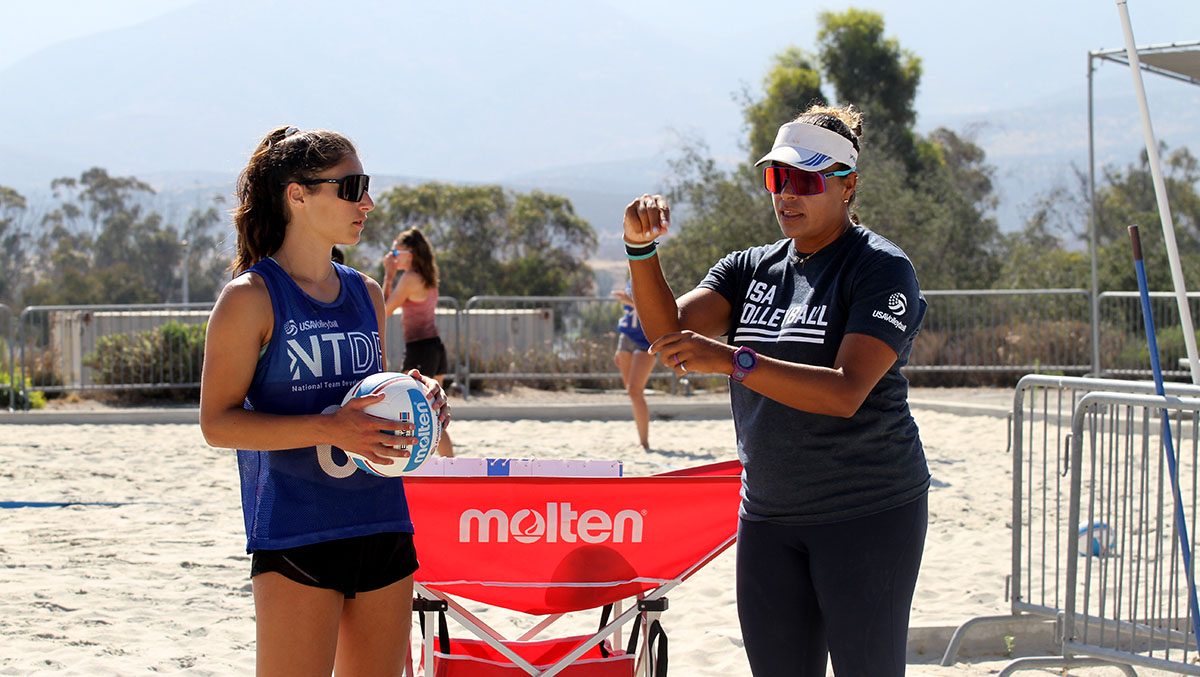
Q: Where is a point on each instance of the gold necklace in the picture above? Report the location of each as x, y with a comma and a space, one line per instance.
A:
798, 261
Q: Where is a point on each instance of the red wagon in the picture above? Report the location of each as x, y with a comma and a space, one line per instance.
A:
554, 545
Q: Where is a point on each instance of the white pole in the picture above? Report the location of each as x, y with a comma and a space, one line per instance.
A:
1160, 192
1093, 222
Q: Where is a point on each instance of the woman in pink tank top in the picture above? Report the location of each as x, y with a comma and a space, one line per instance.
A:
414, 291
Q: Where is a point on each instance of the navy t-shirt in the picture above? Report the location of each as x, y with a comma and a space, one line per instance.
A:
805, 468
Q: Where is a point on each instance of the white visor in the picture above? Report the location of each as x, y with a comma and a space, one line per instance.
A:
811, 148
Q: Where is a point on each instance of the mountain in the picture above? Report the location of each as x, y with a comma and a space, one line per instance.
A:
416, 87
1037, 146
588, 100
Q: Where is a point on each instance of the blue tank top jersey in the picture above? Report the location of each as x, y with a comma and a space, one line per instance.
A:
316, 353
630, 325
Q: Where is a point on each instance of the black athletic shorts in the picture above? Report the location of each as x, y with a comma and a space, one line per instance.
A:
427, 355
348, 565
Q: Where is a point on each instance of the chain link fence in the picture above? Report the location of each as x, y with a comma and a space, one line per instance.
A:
995, 336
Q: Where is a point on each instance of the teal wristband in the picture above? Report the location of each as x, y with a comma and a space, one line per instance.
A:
641, 252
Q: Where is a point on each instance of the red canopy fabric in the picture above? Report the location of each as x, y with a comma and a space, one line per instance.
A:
543, 545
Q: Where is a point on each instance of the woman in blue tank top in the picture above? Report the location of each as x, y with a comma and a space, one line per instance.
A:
634, 362
332, 553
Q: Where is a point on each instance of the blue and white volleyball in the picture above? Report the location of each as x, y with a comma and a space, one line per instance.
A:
404, 400
1096, 540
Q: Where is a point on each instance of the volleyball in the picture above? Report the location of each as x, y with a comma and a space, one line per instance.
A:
404, 400
1097, 544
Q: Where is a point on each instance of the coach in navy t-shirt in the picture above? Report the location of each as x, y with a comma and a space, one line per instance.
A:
818, 326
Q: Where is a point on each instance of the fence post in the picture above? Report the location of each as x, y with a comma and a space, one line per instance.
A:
1095, 306
7, 336
457, 370
466, 354
21, 342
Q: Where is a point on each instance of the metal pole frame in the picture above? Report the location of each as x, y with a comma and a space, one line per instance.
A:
1160, 192
1092, 220
1122, 57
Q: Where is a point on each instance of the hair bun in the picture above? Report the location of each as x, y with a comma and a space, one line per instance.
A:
845, 120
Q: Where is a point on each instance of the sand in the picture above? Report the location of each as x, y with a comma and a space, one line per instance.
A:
157, 581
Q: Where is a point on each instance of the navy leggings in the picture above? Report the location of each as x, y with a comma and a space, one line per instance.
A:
842, 589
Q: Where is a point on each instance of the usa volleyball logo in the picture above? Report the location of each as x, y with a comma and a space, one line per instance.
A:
897, 303
816, 160
289, 328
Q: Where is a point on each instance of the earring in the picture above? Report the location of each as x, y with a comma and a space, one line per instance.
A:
847, 200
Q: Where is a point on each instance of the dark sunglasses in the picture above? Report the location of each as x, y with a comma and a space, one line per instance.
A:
350, 188
776, 178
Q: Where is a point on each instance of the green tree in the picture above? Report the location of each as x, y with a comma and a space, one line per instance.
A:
13, 242
100, 245
725, 211
1038, 257
941, 217
1126, 197
491, 241
792, 85
931, 195
1052, 250
874, 73
207, 264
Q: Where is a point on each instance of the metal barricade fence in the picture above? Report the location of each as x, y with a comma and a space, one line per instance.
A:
1123, 351
117, 347
8, 363
1005, 330
556, 339
541, 338
1043, 407
1127, 590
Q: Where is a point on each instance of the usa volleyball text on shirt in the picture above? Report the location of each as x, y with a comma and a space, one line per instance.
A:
897, 303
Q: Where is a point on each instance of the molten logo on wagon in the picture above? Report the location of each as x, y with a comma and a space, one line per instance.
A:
558, 522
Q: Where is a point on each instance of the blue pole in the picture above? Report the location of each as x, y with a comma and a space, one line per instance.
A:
1185, 549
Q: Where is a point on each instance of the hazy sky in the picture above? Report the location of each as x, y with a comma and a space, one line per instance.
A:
26, 27
1012, 73
1038, 47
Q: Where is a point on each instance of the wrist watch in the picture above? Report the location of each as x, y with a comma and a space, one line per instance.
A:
744, 362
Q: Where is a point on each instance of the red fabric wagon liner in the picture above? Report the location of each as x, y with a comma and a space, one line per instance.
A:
543, 545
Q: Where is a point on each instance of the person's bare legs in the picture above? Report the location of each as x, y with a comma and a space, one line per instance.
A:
445, 446
635, 372
374, 637
296, 626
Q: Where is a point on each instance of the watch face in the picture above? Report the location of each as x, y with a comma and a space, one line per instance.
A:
745, 360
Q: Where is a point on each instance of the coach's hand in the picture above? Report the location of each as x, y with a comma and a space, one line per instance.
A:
687, 352
646, 218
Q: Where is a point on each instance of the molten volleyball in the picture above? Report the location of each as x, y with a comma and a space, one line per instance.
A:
404, 400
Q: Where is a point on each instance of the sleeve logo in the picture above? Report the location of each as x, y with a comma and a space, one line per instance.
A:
897, 304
